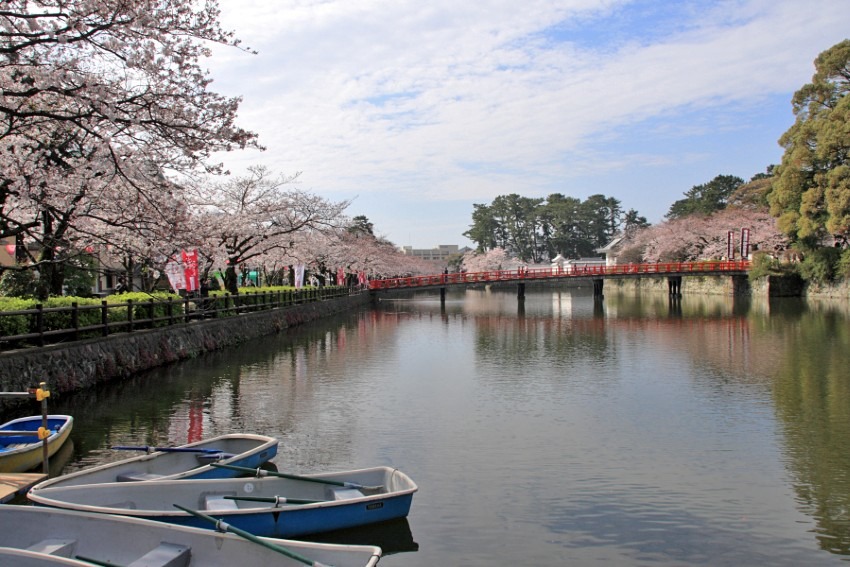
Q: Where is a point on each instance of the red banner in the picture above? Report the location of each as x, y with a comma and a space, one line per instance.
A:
190, 270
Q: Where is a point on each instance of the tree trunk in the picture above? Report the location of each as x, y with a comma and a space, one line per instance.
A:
231, 283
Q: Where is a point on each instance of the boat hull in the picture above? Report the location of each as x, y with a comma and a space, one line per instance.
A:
21, 453
23, 558
246, 503
292, 522
248, 450
117, 540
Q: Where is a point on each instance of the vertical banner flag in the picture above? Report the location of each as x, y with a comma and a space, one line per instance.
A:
361, 277
745, 243
340, 276
174, 271
190, 270
730, 245
299, 276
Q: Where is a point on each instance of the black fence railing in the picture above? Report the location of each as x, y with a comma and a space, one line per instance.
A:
42, 326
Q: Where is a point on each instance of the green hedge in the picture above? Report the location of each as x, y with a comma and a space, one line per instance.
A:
11, 325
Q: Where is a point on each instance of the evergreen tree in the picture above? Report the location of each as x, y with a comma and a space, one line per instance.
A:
811, 192
706, 198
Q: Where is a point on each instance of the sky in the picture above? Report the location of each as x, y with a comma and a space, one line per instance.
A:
415, 110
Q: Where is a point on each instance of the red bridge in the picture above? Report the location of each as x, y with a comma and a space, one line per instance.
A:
673, 270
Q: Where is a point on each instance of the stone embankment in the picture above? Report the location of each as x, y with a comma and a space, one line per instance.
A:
769, 286
82, 364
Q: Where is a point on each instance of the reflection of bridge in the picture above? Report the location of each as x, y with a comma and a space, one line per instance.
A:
673, 271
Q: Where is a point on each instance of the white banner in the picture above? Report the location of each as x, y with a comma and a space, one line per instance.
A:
176, 276
299, 276
745, 243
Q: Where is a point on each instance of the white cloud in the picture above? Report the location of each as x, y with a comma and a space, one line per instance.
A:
463, 101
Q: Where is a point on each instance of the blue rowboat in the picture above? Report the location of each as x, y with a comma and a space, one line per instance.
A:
32, 536
25, 451
176, 463
270, 506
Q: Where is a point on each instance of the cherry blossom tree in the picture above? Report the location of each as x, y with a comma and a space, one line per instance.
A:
700, 237
356, 251
494, 259
139, 239
259, 216
100, 100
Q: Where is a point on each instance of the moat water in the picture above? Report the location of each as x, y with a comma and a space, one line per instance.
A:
563, 430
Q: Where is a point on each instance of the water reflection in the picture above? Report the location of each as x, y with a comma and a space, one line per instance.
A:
393, 536
812, 392
560, 429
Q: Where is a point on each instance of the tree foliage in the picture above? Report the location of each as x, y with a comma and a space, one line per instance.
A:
753, 194
534, 230
700, 237
706, 198
258, 216
99, 100
361, 225
811, 191
493, 259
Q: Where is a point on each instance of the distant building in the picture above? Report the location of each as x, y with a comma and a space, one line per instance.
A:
440, 253
105, 277
611, 250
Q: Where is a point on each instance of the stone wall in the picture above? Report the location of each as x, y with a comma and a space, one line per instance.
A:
691, 285
828, 291
768, 286
69, 367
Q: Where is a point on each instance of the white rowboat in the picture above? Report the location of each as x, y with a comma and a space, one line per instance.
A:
69, 538
175, 463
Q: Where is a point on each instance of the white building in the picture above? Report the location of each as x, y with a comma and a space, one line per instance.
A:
440, 253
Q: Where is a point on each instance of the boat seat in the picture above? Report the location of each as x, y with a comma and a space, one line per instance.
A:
342, 493
218, 503
135, 476
128, 504
165, 555
54, 546
207, 458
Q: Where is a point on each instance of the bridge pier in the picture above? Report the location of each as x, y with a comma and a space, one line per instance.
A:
442, 296
597, 288
674, 305
674, 285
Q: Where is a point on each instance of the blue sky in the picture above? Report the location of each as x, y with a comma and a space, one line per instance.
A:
415, 110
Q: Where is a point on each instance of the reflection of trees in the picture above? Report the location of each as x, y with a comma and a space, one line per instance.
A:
509, 342
557, 329
220, 392
812, 391
801, 349
138, 411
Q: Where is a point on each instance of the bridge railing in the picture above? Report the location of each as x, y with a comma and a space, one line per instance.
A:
568, 271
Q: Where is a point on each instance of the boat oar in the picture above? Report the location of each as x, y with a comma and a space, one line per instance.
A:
276, 500
261, 472
222, 526
150, 449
